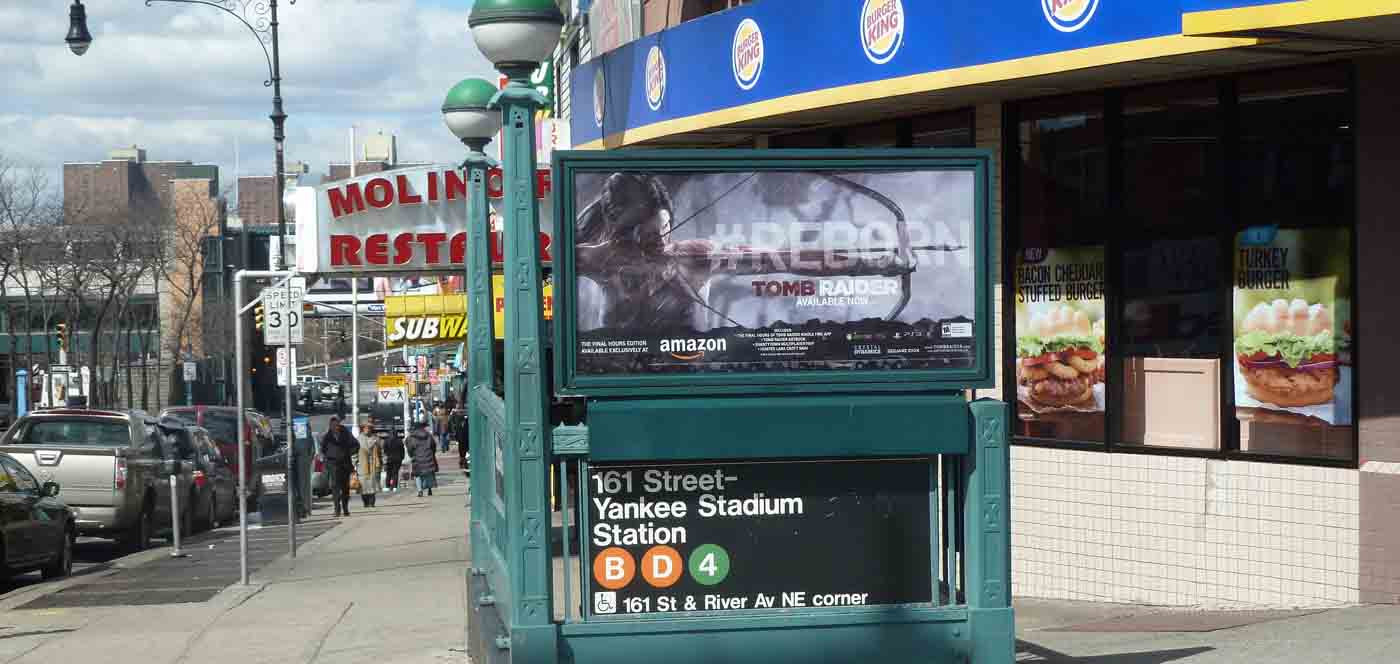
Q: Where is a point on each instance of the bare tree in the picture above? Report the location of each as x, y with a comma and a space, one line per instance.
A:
195, 214
29, 211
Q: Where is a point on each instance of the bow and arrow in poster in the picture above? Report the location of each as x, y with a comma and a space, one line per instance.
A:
650, 280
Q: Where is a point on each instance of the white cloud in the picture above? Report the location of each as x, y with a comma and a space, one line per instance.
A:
186, 81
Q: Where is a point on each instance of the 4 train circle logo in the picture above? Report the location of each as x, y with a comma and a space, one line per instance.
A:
655, 78
881, 29
746, 54
1069, 15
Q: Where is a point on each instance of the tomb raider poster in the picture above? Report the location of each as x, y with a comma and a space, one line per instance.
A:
774, 271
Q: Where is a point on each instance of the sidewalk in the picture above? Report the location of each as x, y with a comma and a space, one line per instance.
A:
385, 586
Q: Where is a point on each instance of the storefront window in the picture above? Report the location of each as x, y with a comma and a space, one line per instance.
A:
1171, 309
1293, 288
951, 129
1059, 274
1196, 238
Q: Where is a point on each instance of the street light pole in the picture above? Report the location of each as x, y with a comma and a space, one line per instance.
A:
260, 17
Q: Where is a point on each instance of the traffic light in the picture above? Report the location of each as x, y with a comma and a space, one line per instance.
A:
62, 337
259, 312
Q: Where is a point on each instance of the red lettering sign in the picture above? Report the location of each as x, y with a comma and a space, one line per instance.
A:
406, 195
348, 201
379, 193
345, 250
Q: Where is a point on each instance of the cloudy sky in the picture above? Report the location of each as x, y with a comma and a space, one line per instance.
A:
186, 81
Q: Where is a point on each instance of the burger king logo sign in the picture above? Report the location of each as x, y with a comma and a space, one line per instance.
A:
1068, 15
656, 78
881, 29
747, 54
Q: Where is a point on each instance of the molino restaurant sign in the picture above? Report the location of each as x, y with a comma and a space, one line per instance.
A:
404, 220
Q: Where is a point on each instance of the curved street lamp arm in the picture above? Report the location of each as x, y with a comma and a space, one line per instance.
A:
253, 14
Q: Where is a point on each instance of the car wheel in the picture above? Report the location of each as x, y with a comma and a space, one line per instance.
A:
62, 566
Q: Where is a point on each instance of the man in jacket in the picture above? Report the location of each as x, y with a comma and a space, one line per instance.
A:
339, 449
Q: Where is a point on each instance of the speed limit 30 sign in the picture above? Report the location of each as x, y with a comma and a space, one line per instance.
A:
283, 317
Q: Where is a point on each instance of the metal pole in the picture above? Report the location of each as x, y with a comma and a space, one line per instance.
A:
480, 337
279, 120
287, 421
354, 342
175, 517
527, 393
240, 354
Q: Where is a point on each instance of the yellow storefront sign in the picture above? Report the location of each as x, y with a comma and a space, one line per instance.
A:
389, 381
411, 320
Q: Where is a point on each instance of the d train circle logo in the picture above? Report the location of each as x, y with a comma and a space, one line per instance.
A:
881, 29
1069, 15
747, 54
656, 78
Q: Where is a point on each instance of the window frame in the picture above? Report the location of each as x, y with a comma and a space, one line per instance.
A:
1231, 132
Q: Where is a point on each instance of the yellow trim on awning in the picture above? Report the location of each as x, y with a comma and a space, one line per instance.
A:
1283, 15
1008, 70
399, 306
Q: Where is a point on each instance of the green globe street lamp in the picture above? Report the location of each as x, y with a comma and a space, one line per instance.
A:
467, 111
516, 35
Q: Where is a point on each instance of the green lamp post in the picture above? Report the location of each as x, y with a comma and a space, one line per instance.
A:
468, 113
516, 35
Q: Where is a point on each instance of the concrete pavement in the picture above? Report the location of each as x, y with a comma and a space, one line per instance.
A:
386, 586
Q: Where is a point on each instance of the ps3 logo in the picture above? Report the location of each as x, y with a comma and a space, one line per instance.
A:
1069, 15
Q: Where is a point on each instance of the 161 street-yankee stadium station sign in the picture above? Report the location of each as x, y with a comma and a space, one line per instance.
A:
404, 220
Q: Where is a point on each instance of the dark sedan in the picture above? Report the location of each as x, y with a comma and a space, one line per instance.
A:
37, 529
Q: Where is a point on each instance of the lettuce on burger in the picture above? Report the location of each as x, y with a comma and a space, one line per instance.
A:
1058, 359
1287, 353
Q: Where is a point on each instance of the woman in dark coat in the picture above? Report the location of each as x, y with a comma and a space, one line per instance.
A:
422, 450
393, 459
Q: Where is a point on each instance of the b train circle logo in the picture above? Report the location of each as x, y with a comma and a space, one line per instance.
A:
747, 54
881, 29
1069, 15
656, 78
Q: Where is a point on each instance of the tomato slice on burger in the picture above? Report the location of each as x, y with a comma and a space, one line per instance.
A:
1038, 360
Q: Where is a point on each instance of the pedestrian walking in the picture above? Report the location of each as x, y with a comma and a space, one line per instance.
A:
422, 450
339, 448
393, 459
442, 427
371, 463
459, 425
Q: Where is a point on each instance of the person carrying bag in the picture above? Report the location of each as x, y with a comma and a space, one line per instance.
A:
370, 464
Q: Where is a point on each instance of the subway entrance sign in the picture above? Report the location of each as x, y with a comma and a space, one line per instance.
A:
758, 535
779, 462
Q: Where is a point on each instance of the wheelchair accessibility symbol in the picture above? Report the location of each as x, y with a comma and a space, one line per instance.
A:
605, 602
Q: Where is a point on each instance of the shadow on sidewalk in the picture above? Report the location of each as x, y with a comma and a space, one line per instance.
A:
1030, 653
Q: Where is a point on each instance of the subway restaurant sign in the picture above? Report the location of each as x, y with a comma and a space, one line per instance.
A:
411, 320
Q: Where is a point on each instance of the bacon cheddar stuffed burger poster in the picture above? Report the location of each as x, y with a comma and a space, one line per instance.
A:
774, 271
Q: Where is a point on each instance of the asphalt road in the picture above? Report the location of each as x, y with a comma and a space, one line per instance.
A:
90, 555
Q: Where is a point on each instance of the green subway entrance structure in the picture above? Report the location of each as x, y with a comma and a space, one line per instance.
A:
779, 460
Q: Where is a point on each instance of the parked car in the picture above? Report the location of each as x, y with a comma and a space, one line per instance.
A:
37, 528
216, 487
222, 424
116, 466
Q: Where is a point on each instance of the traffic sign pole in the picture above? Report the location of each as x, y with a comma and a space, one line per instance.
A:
287, 419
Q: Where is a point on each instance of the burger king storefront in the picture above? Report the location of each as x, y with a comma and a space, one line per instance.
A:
1193, 228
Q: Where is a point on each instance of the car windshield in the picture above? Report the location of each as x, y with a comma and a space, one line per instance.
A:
222, 427
75, 432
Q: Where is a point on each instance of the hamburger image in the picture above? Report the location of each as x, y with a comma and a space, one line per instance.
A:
1287, 353
1057, 360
